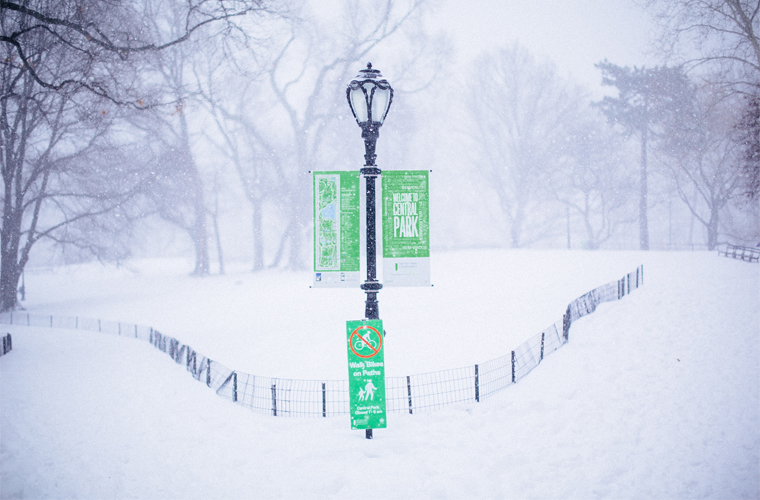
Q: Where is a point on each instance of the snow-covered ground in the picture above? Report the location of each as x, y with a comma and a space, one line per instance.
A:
655, 396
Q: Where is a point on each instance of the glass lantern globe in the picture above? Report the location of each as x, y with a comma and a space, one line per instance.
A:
370, 97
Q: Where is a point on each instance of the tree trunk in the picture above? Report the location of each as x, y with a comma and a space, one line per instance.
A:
643, 221
515, 228
9, 276
219, 254
200, 240
199, 232
591, 243
9, 242
258, 237
712, 228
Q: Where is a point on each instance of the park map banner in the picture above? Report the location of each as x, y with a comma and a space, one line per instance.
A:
406, 228
336, 229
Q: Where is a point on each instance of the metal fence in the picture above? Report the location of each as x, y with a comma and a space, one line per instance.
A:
747, 254
325, 398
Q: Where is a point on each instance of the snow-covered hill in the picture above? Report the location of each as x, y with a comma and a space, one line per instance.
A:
655, 396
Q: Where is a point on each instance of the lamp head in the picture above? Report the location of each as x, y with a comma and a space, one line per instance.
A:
369, 97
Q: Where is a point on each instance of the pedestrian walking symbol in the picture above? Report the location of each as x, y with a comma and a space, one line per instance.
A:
366, 374
368, 392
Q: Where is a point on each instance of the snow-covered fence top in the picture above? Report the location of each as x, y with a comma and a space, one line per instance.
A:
323, 398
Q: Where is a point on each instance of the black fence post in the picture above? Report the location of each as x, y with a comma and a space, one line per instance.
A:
409, 392
10, 342
5, 351
324, 400
513, 367
234, 387
566, 323
477, 385
208, 372
543, 335
274, 399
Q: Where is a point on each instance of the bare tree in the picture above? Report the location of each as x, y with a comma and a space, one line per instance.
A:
100, 37
64, 65
177, 188
701, 155
724, 34
593, 178
518, 108
228, 94
61, 175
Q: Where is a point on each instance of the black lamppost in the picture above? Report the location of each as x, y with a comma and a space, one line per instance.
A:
369, 96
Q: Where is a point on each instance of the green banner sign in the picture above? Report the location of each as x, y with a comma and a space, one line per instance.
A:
406, 228
366, 374
336, 229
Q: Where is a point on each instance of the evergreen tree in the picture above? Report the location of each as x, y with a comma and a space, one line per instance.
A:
648, 98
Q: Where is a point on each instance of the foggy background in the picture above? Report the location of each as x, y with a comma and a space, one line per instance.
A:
124, 134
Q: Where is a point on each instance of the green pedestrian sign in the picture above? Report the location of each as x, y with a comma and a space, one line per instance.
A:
366, 374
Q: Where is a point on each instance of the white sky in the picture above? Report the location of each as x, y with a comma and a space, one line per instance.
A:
573, 34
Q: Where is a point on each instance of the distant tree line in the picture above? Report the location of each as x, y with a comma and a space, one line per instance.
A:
544, 151
113, 114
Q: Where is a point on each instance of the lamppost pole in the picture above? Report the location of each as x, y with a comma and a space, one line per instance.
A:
371, 286
369, 97
370, 173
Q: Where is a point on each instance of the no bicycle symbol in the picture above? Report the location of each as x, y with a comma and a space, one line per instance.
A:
365, 341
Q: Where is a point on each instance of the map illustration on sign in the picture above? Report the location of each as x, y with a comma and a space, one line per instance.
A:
336, 229
328, 222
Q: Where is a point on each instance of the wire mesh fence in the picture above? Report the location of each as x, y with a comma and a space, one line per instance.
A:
325, 398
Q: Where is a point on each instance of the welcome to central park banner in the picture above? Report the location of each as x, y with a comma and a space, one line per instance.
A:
406, 228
